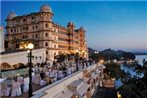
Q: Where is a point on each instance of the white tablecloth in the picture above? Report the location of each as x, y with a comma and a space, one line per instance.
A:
2, 80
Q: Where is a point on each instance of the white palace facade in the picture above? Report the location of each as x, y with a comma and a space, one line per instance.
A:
49, 38
39, 28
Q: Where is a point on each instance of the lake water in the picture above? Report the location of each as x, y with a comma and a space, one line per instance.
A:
140, 58
129, 69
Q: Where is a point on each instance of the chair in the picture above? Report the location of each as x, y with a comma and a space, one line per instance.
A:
60, 75
36, 69
26, 84
68, 71
55, 76
43, 82
36, 79
46, 73
2, 80
16, 90
51, 74
20, 80
4, 90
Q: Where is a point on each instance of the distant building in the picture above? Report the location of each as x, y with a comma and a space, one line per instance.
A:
39, 28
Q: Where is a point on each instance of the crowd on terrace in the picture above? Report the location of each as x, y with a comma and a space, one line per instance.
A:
42, 75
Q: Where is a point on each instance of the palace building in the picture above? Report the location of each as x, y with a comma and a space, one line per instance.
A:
39, 28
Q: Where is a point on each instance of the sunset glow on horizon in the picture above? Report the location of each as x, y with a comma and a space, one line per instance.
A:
115, 25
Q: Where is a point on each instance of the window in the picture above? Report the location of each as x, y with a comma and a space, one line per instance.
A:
24, 28
36, 35
46, 52
33, 27
11, 30
46, 34
14, 30
36, 27
24, 20
46, 25
46, 44
33, 17
18, 30
23, 36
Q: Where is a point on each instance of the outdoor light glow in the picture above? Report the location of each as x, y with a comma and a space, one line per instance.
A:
96, 52
18, 74
28, 51
119, 95
113, 79
30, 46
77, 50
101, 61
20, 47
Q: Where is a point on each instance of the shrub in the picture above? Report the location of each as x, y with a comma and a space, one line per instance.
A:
5, 66
15, 66
21, 65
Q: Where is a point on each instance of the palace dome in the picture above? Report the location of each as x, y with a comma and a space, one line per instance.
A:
45, 8
82, 28
11, 15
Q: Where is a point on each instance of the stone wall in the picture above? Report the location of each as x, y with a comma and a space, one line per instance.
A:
53, 90
21, 57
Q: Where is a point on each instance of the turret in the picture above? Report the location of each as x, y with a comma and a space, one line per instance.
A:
70, 27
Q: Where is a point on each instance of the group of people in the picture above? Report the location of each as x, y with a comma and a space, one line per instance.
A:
14, 87
42, 74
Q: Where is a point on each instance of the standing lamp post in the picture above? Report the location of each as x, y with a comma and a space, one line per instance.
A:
30, 46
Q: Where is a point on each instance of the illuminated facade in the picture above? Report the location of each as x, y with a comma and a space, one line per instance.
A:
39, 28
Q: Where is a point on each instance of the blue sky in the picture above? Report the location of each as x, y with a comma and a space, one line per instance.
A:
111, 24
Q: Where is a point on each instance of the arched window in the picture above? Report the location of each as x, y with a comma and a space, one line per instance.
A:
46, 44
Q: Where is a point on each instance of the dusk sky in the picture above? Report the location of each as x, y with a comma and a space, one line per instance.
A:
116, 25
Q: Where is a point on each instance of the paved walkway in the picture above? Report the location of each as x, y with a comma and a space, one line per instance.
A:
105, 93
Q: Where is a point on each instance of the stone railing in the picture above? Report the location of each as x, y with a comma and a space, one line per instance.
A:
53, 90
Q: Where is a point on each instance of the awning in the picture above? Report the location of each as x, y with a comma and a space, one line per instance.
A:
65, 94
81, 90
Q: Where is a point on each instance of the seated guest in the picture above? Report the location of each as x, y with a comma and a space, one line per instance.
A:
16, 89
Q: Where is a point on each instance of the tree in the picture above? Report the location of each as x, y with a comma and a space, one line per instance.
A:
113, 70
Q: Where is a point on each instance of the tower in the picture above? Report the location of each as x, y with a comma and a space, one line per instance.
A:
1, 39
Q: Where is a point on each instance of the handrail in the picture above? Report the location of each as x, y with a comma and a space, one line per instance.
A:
41, 92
